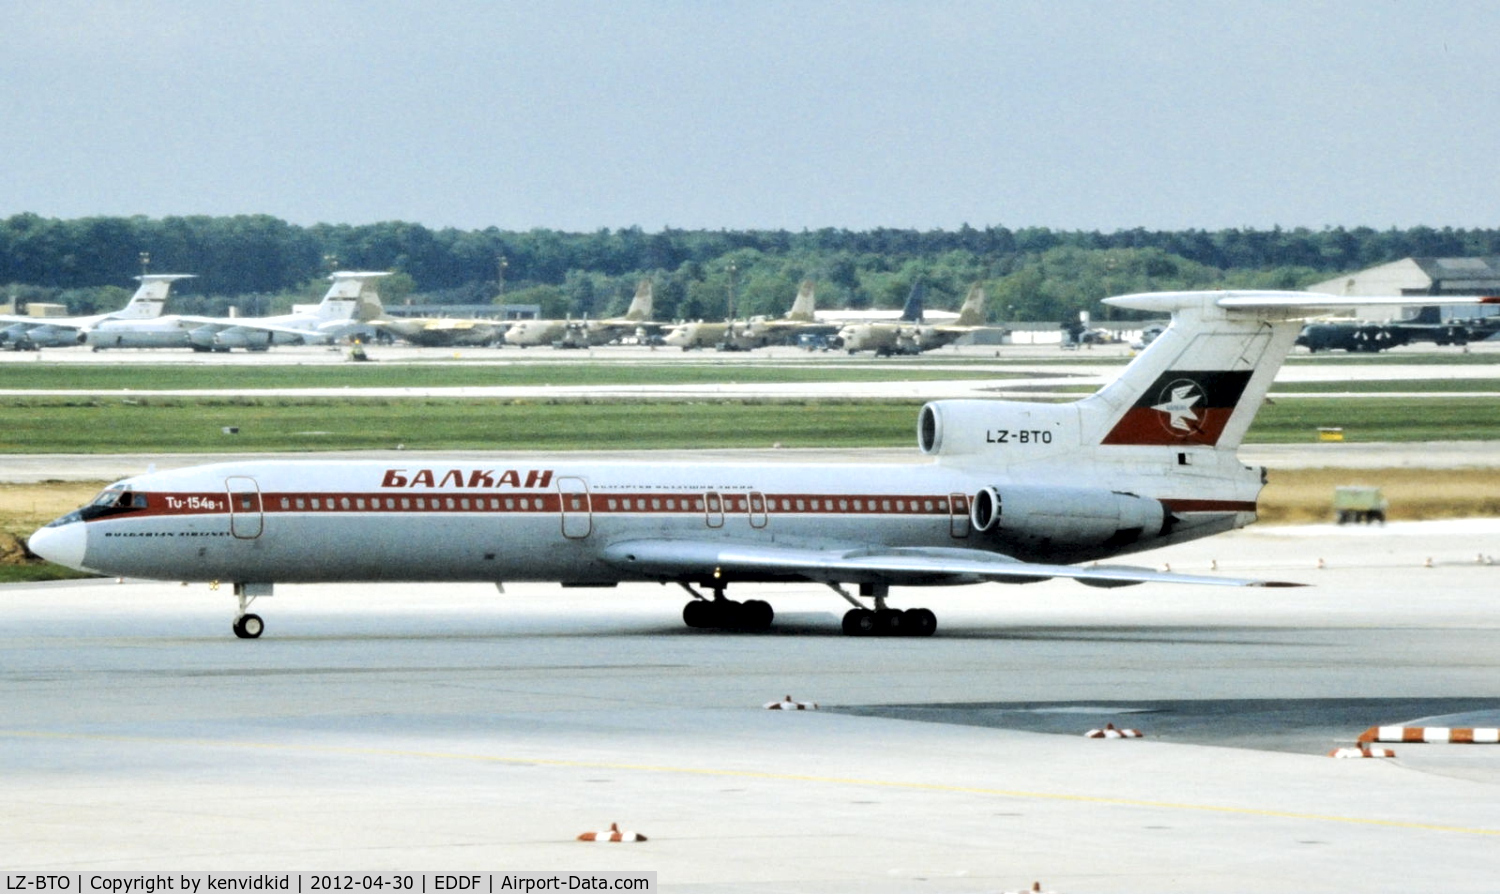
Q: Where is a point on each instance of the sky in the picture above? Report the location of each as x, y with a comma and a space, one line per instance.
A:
756, 114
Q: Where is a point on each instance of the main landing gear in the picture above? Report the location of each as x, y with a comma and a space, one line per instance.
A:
720, 613
882, 620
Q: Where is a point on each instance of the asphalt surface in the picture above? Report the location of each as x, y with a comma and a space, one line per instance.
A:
457, 727
453, 727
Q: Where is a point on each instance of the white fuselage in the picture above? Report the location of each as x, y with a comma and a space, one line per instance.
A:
558, 521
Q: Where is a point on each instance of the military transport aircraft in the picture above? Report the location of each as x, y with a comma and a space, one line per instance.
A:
910, 335
1369, 336
444, 332
349, 302
1006, 491
25, 333
755, 332
586, 333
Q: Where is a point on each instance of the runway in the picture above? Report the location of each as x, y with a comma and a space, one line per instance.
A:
455, 727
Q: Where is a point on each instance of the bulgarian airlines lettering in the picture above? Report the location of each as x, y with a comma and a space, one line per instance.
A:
472, 478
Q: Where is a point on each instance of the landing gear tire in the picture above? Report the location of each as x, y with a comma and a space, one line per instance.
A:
727, 614
698, 614
887, 622
756, 614
859, 622
918, 622
249, 626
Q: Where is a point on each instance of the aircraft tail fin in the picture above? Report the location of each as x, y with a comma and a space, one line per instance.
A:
640, 308
1430, 315
151, 297
1200, 383
972, 312
803, 308
912, 311
352, 296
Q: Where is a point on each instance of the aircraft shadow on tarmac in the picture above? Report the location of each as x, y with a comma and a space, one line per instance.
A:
1297, 726
332, 628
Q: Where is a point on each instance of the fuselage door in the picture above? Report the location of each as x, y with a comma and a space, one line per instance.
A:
577, 508
713, 509
757, 509
958, 515
245, 519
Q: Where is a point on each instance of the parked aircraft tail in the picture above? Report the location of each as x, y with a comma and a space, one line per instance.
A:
640, 309
352, 297
150, 297
803, 309
972, 312
1430, 315
912, 311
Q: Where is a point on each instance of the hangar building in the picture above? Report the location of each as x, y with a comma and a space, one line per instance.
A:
1422, 277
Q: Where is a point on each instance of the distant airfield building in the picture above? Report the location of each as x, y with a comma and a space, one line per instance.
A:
1423, 279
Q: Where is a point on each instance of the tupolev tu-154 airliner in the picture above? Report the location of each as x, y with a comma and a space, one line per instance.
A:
1005, 491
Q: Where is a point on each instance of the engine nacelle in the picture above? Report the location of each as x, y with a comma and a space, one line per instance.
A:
1004, 430
1065, 521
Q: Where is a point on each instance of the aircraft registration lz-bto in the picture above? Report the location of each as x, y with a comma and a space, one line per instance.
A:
1006, 491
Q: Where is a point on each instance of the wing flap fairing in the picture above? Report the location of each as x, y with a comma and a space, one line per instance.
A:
909, 566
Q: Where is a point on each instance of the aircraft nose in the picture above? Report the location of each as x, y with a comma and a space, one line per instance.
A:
61, 543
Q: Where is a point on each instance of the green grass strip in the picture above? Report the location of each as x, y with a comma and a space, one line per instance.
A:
192, 425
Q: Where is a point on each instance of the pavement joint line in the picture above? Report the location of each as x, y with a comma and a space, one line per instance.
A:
723, 772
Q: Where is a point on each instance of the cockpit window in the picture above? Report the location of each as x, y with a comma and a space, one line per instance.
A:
113, 501
111, 497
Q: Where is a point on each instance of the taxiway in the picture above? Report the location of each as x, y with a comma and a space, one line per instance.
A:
452, 727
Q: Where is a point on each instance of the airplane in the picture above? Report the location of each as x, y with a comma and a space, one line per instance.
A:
729, 335
1005, 491
585, 333
442, 332
910, 335
1371, 337
757, 331
26, 333
800, 320
349, 302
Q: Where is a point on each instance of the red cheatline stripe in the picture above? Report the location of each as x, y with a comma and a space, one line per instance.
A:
213, 503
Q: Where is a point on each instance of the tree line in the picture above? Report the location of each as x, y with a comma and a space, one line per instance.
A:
262, 264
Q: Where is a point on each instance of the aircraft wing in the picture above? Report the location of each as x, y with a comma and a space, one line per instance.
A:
896, 565
250, 324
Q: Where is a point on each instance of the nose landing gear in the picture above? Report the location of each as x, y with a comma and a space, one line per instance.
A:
248, 625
